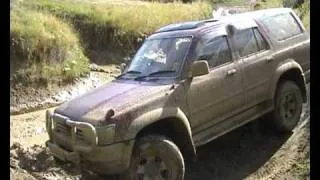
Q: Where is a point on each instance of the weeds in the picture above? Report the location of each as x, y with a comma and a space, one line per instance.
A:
47, 36
119, 28
43, 49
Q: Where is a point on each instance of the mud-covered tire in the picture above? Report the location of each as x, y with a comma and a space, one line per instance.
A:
57, 161
156, 156
288, 107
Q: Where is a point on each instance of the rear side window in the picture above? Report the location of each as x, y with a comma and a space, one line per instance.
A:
245, 42
216, 51
281, 26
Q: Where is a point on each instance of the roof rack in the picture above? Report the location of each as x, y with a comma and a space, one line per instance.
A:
185, 25
210, 20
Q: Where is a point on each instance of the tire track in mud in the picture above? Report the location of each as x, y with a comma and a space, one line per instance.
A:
287, 156
36, 163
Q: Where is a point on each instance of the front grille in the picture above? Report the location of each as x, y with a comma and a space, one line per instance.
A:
80, 135
63, 128
63, 133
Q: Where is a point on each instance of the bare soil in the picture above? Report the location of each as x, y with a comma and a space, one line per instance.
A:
30, 98
250, 152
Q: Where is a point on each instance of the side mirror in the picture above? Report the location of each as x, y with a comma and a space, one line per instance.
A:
122, 67
199, 68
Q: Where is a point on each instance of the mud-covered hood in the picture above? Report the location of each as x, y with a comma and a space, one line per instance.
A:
116, 95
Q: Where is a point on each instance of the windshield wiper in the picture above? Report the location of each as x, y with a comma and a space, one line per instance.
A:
129, 72
154, 73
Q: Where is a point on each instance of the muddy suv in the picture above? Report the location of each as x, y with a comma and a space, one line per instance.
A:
188, 84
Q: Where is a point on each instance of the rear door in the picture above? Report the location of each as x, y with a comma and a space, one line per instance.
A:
254, 52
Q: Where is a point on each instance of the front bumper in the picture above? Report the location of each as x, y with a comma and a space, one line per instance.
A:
103, 159
111, 159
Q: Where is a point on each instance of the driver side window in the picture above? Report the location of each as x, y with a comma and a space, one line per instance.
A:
214, 50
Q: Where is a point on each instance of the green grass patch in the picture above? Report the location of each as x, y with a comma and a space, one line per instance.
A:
139, 18
305, 13
230, 2
43, 49
272, 4
118, 29
51, 40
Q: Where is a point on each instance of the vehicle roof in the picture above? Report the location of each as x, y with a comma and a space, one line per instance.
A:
197, 28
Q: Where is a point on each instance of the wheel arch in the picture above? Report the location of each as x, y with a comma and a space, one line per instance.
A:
289, 70
170, 122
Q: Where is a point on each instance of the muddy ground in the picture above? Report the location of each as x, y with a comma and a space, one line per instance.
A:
250, 152
30, 98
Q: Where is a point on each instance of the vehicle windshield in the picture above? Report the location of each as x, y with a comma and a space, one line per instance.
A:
159, 57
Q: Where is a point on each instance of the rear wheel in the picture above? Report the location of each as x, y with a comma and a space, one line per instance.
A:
156, 157
288, 107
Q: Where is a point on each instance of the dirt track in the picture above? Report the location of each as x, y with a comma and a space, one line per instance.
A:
250, 152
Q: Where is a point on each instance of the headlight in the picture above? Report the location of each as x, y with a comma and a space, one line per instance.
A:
106, 134
49, 115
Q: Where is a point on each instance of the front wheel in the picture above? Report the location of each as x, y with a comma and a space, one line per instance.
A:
288, 107
156, 157
57, 161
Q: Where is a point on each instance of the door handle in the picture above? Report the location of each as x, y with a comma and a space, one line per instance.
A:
269, 59
231, 72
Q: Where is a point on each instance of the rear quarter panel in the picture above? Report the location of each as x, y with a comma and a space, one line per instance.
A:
293, 52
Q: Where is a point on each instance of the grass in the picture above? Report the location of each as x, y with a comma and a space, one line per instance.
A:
55, 40
272, 4
305, 13
230, 2
119, 28
140, 18
43, 49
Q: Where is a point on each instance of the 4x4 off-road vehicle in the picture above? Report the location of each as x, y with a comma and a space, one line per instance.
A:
188, 84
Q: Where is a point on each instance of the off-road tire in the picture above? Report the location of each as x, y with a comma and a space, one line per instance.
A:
57, 161
156, 155
288, 107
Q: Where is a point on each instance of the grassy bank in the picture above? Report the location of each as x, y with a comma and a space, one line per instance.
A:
305, 13
43, 49
54, 40
117, 29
